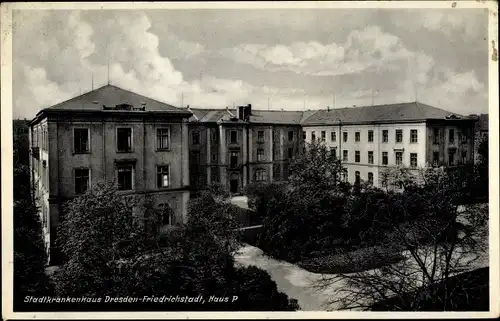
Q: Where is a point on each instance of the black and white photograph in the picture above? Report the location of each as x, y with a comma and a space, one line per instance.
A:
267, 159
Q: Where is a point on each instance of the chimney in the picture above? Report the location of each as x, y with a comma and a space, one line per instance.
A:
240, 112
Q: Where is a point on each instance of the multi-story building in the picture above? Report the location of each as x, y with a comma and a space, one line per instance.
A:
236, 147
370, 139
109, 135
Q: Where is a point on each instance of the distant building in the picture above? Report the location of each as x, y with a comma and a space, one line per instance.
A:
109, 135
370, 139
481, 132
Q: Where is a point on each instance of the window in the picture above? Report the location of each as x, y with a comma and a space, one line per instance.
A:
370, 136
214, 158
345, 136
345, 155
290, 152
162, 176
370, 157
214, 175
451, 157
436, 136
125, 180
260, 154
82, 180
260, 136
399, 158
435, 158
166, 214
399, 135
451, 136
413, 136
357, 136
260, 175
162, 139
81, 140
214, 134
464, 137
196, 137
413, 160
124, 139
234, 136
313, 136
290, 136
357, 156
370, 178
233, 159
358, 178
333, 136
346, 175
334, 152
385, 158
323, 135
304, 135
464, 157
385, 136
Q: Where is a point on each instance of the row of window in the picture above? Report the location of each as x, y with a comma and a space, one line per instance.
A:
233, 136
124, 176
81, 140
385, 136
385, 157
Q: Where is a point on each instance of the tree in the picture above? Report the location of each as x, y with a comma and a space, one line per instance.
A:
441, 241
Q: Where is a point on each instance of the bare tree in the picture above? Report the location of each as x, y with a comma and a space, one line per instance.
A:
438, 239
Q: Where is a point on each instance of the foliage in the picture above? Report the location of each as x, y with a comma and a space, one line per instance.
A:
424, 221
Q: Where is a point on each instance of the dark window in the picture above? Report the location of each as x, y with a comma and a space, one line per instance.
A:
370, 135
81, 140
260, 154
162, 176
358, 178
260, 136
214, 134
357, 156
436, 136
313, 136
162, 138
260, 175
399, 158
234, 136
413, 136
345, 136
464, 157
233, 159
214, 174
399, 135
333, 136
435, 158
464, 137
290, 135
370, 157
451, 136
385, 136
82, 180
334, 152
345, 155
357, 136
214, 158
124, 139
323, 135
304, 135
413, 160
451, 157
290, 152
125, 177
370, 178
166, 214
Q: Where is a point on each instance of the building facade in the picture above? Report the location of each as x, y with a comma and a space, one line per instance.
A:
369, 140
109, 135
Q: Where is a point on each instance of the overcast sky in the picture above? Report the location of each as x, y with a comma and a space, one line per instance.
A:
285, 58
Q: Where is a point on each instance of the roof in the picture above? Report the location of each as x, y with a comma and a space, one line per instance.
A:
111, 96
379, 113
411, 111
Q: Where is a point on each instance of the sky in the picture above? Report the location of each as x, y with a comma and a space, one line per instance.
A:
291, 59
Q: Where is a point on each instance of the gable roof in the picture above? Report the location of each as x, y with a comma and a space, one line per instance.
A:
379, 113
111, 96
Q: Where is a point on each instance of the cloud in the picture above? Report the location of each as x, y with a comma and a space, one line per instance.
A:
364, 49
